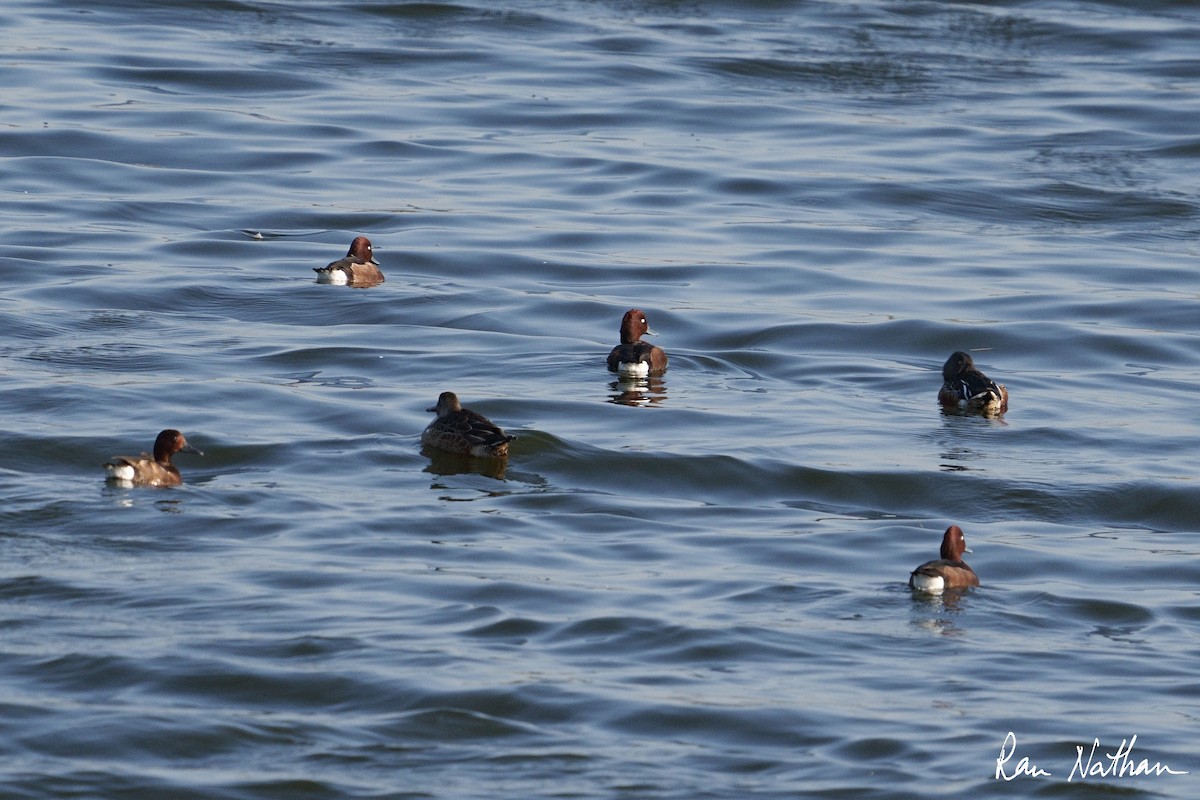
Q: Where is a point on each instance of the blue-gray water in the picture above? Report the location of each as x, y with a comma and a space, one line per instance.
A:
697, 592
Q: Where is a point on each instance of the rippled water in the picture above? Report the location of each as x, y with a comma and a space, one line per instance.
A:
692, 589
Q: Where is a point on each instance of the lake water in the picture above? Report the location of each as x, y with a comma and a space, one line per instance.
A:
689, 589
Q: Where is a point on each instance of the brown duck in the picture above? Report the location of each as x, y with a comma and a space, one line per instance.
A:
461, 430
964, 386
358, 268
633, 358
156, 470
948, 572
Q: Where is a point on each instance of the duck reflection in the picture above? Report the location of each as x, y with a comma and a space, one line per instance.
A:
638, 391
962, 443
990, 414
939, 613
443, 462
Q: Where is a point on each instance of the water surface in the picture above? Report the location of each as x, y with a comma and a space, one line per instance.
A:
689, 589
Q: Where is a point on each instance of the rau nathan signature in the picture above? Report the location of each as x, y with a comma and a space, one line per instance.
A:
1119, 764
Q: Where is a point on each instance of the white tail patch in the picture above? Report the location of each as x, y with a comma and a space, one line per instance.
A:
338, 277
633, 369
930, 584
119, 472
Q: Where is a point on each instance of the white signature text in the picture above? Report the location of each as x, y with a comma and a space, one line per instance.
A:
1118, 764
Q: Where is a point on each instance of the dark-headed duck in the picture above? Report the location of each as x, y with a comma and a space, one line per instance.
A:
964, 386
461, 430
156, 470
633, 358
949, 571
358, 268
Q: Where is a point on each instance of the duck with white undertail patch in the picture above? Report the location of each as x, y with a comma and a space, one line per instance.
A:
964, 386
151, 470
358, 268
461, 430
949, 571
633, 358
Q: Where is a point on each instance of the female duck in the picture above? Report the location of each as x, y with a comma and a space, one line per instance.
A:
633, 358
156, 470
358, 268
948, 572
461, 430
964, 386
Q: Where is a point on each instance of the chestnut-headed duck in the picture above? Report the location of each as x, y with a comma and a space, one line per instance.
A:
358, 268
461, 430
156, 470
633, 358
948, 572
964, 386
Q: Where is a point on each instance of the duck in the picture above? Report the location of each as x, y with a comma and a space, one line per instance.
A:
358, 268
156, 470
948, 572
633, 358
964, 386
461, 430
